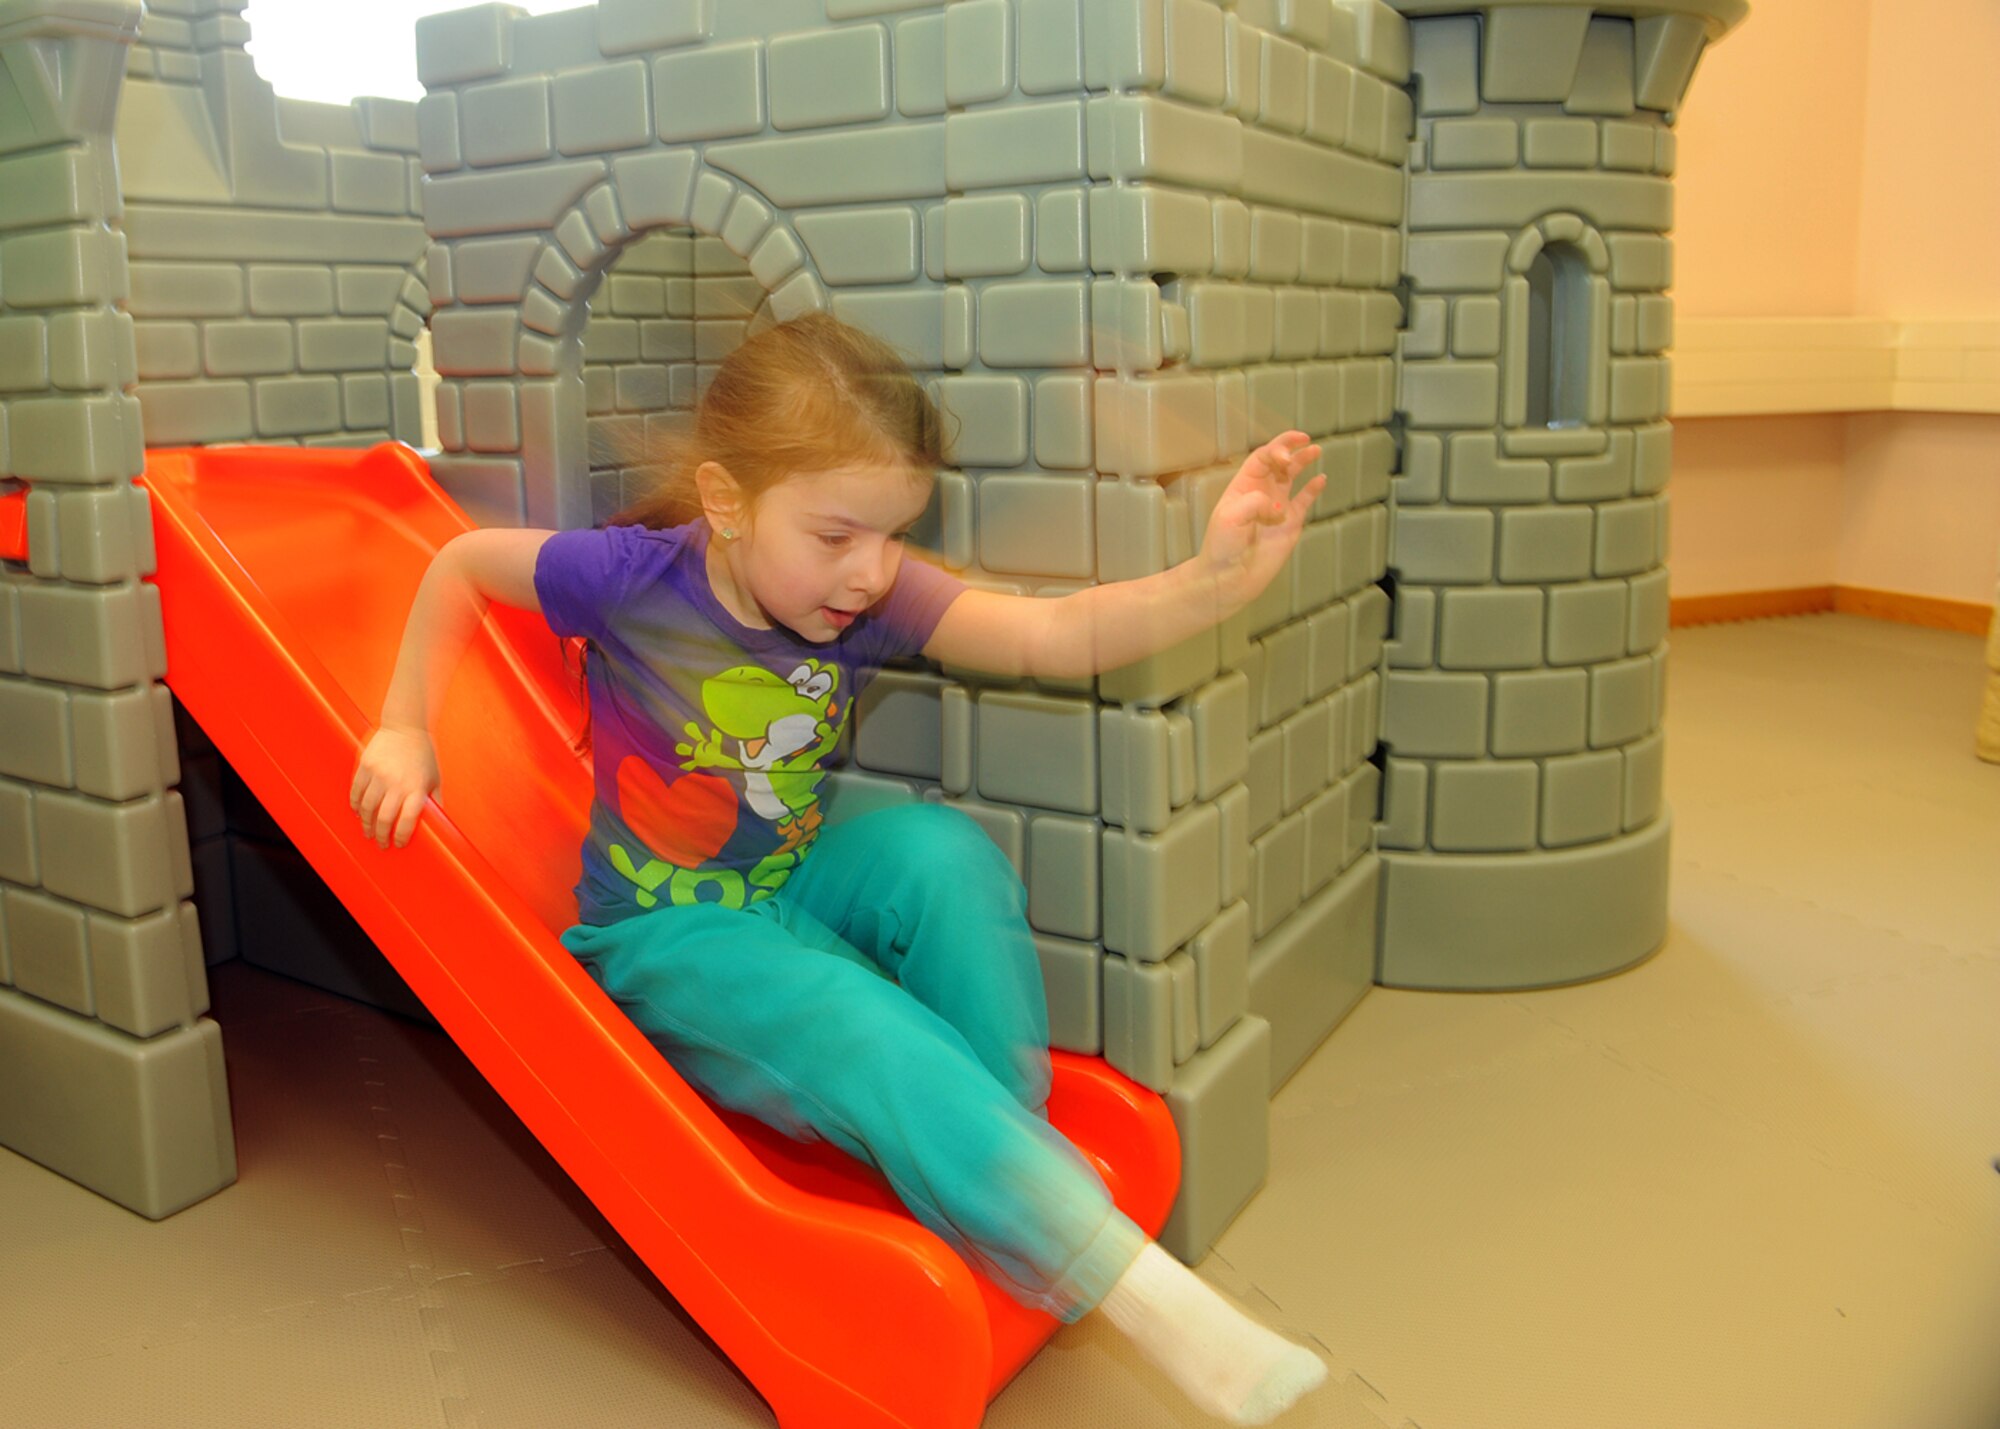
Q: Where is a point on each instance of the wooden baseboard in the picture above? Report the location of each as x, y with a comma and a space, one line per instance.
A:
1967, 616
1749, 605
1932, 612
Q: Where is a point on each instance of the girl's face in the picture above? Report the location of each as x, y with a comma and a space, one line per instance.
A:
820, 548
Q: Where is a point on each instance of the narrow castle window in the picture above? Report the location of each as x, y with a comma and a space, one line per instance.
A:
1558, 354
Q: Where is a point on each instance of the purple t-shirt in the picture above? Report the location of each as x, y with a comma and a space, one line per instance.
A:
710, 737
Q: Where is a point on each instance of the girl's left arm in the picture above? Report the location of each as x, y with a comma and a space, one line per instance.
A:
1254, 528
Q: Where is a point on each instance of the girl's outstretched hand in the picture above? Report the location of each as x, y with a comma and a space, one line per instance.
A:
1258, 520
397, 773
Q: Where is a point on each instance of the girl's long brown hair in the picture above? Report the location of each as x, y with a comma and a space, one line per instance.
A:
812, 394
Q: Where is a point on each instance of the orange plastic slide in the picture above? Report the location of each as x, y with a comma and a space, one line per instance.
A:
284, 577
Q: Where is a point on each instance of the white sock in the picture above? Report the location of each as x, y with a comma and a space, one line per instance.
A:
1222, 1359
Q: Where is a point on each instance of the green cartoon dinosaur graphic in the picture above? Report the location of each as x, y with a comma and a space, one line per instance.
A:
781, 729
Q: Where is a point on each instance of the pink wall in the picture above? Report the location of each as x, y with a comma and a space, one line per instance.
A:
1842, 157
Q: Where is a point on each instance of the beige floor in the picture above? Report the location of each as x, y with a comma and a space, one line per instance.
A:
1751, 1183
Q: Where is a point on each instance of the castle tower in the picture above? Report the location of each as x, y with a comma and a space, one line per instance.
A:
1524, 838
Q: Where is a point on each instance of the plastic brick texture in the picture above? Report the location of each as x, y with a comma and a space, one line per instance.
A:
1219, 1103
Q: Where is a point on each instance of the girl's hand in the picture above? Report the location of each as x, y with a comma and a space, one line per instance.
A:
397, 773
1257, 521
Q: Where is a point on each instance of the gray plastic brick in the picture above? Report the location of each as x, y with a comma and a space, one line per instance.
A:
978, 51
1220, 715
364, 399
1480, 475
119, 751
1039, 750
167, 351
1033, 324
294, 406
88, 350
863, 245
288, 290
1406, 804
1445, 62
838, 76
1541, 713
1180, 758
1282, 686
985, 235
39, 733
506, 123
1233, 804
1598, 478
1139, 1021
1627, 537
1315, 967
1666, 50
1330, 844
1159, 889
24, 354
1546, 544
1622, 702
992, 416
600, 109
159, 1136
72, 438
1219, 1101
1368, 620
1475, 329
1187, 1013
1137, 763
1364, 724
1587, 623
1491, 143
1062, 424
1221, 956
18, 861
180, 413
1451, 394
341, 345
1488, 807
1653, 458
1265, 780
238, 349
920, 66
1650, 610
93, 532
1440, 716
1277, 873
370, 183
492, 417
468, 204
1051, 46
1605, 82
911, 321
1328, 633
1644, 774
1306, 753
1073, 979
1064, 892
140, 972
50, 945
110, 856
1629, 146
369, 292
1583, 798
1415, 645
1445, 547
897, 162
1457, 262
1531, 55
94, 637
1017, 144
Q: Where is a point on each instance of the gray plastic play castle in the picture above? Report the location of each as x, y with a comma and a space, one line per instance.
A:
1126, 240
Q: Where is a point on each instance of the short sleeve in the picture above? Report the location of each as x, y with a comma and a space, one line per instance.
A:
902, 624
582, 578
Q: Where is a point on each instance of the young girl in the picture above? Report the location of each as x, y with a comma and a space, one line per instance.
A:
874, 983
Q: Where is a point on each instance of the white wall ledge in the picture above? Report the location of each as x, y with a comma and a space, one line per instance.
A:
1740, 367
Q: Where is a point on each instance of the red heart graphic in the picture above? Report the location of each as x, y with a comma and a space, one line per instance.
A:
686, 822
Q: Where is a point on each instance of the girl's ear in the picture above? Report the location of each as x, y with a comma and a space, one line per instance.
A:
722, 500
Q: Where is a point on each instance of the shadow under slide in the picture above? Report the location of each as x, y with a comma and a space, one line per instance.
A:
284, 577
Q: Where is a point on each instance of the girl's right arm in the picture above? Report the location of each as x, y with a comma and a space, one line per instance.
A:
398, 767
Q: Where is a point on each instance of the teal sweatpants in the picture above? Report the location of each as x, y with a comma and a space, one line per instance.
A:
888, 999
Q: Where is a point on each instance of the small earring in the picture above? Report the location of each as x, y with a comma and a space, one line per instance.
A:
728, 533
